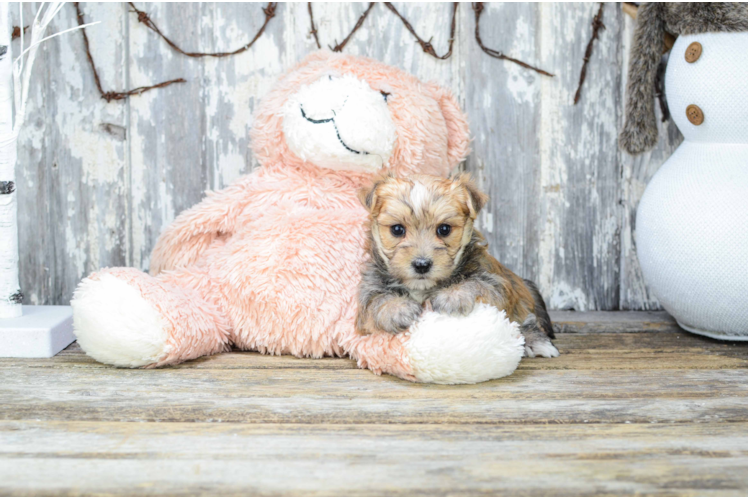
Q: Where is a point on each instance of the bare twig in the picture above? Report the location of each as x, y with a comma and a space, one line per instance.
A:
478, 8
269, 12
597, 25
426, 46
112, 95
17, 32
340, 46
314, 28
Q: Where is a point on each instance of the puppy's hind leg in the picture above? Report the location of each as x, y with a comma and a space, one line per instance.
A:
537, 328
537, 342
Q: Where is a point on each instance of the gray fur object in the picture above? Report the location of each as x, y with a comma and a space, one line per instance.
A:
653, 20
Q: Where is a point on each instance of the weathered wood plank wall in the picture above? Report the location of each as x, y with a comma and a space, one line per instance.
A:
98, 181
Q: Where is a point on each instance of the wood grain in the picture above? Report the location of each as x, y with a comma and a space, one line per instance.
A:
614, 378
613, 321
98, 182
645, 411
72, 167
503, 105
578, 209
101, 458
357, 397
167, 158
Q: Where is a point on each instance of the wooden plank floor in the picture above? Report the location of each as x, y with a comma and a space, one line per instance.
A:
634, 406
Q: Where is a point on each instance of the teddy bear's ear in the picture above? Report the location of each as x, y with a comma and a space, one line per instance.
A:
458, 140
318, 55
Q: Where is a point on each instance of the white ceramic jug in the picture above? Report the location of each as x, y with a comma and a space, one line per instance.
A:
692, 222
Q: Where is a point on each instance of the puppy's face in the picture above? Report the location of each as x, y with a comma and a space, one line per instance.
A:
420, 225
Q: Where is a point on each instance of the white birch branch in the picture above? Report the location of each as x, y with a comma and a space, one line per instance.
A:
14, 92
10, 298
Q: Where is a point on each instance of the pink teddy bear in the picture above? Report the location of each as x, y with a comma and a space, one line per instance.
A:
272, 263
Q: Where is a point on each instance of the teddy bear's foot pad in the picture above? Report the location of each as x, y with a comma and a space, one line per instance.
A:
115, 325
483, 345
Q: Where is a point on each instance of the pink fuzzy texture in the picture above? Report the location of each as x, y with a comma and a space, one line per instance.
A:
272, 263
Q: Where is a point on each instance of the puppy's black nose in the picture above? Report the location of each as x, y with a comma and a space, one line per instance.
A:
421, 265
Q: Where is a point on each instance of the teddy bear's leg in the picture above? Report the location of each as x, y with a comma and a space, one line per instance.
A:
125, 317
382, 353
442, 349
484, 345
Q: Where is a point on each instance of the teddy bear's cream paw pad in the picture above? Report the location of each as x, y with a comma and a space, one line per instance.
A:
115, 325
481, 346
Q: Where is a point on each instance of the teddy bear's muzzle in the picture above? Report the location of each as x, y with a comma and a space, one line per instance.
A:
340, 123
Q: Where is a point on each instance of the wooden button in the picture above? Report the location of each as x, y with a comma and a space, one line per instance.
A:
694, 114
693, 52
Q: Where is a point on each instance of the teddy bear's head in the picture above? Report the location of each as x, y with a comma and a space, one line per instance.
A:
349, 113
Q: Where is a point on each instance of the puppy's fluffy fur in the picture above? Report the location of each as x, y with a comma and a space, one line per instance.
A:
425, 253
653, 19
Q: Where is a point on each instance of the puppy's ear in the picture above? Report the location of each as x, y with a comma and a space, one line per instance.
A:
476, 199
368, 194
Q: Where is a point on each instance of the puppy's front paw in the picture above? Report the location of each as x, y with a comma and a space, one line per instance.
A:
457, 302
542, 347
396, 315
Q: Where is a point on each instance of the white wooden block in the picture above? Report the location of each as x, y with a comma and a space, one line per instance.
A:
41, 332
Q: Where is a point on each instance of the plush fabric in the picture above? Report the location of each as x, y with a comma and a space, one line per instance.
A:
272, 263
639, 133
692, 221
438, 355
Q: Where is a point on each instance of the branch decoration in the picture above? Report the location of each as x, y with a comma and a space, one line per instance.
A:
145, 19
113, 95
478, 9
426, 46
269, 12
597, 25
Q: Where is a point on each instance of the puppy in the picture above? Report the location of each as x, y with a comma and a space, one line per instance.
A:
425, 253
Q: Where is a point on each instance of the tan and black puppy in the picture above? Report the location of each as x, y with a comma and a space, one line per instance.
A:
425, 253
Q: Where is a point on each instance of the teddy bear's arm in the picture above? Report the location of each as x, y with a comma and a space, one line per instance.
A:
195, 229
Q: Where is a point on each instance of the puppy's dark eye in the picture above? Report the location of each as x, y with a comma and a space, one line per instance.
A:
397, 230
385, 94
444, 230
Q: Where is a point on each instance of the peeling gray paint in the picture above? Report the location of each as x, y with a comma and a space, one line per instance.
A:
101, 180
